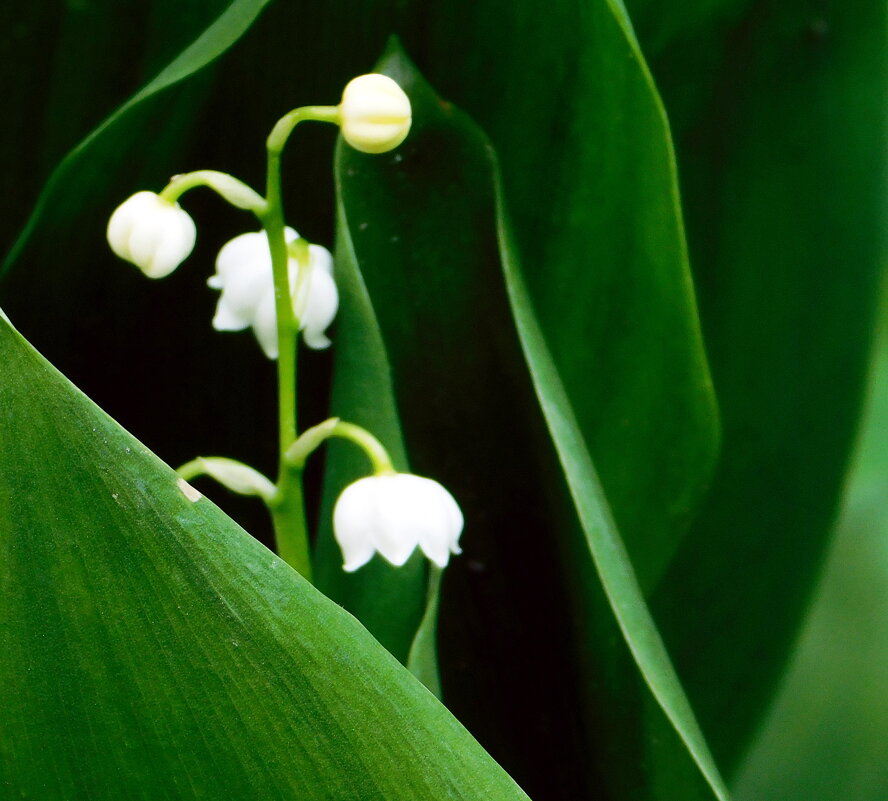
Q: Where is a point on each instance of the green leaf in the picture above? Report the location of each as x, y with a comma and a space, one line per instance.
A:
783, 163
589, 174
389, 601
611, 560
825, 736
153, 649
398, 605
422, 229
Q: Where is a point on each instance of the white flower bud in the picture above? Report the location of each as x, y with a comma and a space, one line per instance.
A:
375, 114
393, 514
244, 274
152, 233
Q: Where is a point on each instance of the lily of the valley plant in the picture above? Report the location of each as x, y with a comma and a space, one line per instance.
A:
279, 284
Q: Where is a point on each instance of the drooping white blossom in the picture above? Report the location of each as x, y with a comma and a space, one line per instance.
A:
244, 274
375, 113
392, 514
152, 233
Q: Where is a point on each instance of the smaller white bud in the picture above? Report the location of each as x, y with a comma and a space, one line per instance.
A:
152, 233
392, 514
375, 114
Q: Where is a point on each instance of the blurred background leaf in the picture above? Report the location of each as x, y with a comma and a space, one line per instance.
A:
389, 601
779, 112
825, 738
62, 191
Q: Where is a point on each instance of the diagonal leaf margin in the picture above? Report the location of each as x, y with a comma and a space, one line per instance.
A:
153, 649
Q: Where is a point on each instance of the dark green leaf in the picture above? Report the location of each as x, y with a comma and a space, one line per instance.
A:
608, 552
590, 179
387, 600
783, 164
422, 229
825, 738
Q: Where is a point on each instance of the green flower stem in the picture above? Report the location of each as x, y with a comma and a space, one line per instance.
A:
285, 125
290, 529
297, 454
288, 514
191, 469
288, 510
227, 186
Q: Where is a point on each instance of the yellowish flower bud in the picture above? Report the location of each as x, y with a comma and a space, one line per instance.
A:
375, 114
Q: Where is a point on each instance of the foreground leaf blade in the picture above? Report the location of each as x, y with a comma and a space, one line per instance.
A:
154, 650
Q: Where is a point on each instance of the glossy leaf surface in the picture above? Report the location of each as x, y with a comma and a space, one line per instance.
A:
153, 649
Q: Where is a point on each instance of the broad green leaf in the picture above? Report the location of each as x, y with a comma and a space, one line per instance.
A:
783, 163
153, 649
611, 559
589, 173
422, 231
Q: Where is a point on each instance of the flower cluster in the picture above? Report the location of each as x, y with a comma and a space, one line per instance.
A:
157, 236
388, 513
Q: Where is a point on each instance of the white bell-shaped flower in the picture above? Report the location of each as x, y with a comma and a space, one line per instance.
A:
393, 514
244, 274
375, 113
152, 233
